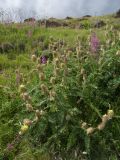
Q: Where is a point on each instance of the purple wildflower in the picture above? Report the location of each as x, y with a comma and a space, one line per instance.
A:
10, 146
94, 43
29, 34
43, 59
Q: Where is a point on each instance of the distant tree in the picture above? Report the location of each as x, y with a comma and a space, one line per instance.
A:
118, 13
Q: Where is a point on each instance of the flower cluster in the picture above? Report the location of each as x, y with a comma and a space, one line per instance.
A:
101, 126
94, 43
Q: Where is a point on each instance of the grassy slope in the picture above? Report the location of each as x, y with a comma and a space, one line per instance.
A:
20, 59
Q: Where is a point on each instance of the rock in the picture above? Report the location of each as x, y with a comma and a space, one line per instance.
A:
52, 23
64, 24
68, 18
117, 14
30, 20
6, 47
79, 26
82, 19
87, 16
99, 24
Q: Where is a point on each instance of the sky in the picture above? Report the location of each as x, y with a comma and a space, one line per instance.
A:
59, 8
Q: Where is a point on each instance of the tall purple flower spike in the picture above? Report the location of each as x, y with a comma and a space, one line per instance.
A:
94, 43
43, 59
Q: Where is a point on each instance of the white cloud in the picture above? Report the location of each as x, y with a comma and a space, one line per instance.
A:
63, 8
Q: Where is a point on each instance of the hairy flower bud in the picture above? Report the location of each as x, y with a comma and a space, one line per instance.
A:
23, 129
68, 117
56, 62
90, 130
26, 97
44, 88
42, 76
37, 113
52, 80
27, 122
101, 126
52, 94
22, 88
110, 114
78, 54
84, 125
62, 65
34, 58
66, 71
55, 54
29, 107
82, 71
21, 95
36, 119
56, 72
38, 60
69, 53
105, 118
118, 53
39, 67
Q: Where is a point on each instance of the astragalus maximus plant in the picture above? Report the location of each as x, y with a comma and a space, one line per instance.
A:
71, 100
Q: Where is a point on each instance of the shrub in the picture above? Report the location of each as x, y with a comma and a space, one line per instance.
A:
69, 104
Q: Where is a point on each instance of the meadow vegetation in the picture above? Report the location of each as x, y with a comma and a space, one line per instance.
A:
60, 90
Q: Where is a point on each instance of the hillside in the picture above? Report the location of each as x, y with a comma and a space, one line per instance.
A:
60, 89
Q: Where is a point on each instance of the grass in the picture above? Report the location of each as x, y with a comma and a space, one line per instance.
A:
90, 89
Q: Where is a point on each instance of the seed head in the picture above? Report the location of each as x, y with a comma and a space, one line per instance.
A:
113, 43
